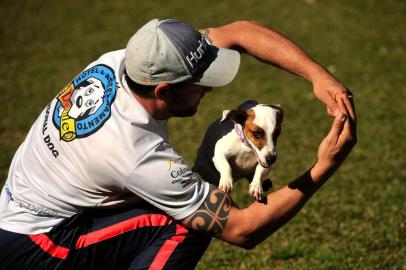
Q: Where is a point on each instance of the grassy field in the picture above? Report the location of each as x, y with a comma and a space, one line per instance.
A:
358, 219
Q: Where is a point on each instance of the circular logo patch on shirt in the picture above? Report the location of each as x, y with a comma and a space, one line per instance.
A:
84, 105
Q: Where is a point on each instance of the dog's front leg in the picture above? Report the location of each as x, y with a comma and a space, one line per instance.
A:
226, 179
256, 185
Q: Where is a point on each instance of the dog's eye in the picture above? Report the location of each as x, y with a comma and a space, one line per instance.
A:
89, 91
89, 103
258, 134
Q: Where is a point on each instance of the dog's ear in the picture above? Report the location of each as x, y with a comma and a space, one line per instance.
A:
279, 109
247, 105
237, 116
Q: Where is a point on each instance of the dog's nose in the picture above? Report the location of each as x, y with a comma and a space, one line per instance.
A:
270, 160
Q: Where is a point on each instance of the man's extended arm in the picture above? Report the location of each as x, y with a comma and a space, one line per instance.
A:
247, 227
272, 47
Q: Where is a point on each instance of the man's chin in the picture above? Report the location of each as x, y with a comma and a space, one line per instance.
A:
184, 113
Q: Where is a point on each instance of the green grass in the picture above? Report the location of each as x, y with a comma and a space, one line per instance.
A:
357, 221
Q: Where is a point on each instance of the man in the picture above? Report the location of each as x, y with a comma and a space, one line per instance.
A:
96, 185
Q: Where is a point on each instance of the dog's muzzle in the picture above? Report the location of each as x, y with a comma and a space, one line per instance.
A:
270, 160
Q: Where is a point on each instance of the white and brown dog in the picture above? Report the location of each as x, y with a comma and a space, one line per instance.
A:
242, 144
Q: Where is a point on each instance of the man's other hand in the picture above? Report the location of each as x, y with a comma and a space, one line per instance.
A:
338, 143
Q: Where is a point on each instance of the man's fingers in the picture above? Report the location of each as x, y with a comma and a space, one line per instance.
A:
350, 130
337, 127
342, 106
346, 106
346, 131
332, 106
330, 112
349, 104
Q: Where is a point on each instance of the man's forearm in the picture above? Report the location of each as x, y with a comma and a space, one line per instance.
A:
268, 46
281, 206
247, 227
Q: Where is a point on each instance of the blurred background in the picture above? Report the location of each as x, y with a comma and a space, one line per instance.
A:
357, 220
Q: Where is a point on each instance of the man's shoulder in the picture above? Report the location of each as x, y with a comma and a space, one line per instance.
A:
113, 55
112, 59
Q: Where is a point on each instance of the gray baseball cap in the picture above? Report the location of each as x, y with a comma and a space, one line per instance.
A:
171, 51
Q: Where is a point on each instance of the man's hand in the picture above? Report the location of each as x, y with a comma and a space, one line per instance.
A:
338, 143
328, 90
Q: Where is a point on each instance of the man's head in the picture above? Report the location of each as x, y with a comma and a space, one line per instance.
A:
177, 64
170, 51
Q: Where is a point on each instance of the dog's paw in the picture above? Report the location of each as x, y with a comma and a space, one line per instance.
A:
226, 185
256, 191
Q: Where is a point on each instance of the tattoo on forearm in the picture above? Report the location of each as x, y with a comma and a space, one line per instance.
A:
212, 216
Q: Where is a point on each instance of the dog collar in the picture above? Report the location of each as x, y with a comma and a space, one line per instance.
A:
240, 134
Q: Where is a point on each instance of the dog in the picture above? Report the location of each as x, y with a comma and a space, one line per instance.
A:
242, 144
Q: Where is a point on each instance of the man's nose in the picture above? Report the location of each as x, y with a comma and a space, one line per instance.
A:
270, 160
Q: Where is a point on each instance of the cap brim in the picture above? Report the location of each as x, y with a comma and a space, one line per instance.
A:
222, 70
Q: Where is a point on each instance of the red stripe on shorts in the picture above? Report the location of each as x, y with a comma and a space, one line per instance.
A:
168, 247
122, 227
47, 245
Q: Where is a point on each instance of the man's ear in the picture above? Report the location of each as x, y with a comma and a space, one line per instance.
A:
161, 91
237, 116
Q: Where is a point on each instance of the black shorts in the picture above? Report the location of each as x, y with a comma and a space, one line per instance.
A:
142, 238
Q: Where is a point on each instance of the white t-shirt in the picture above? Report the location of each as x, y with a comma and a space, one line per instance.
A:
95, 146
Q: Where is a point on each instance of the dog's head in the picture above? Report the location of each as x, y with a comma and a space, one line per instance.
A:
86, 98
261, 125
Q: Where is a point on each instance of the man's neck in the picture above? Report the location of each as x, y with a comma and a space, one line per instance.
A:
153, 106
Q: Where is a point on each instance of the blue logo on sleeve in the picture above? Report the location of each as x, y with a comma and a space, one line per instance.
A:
84, 105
